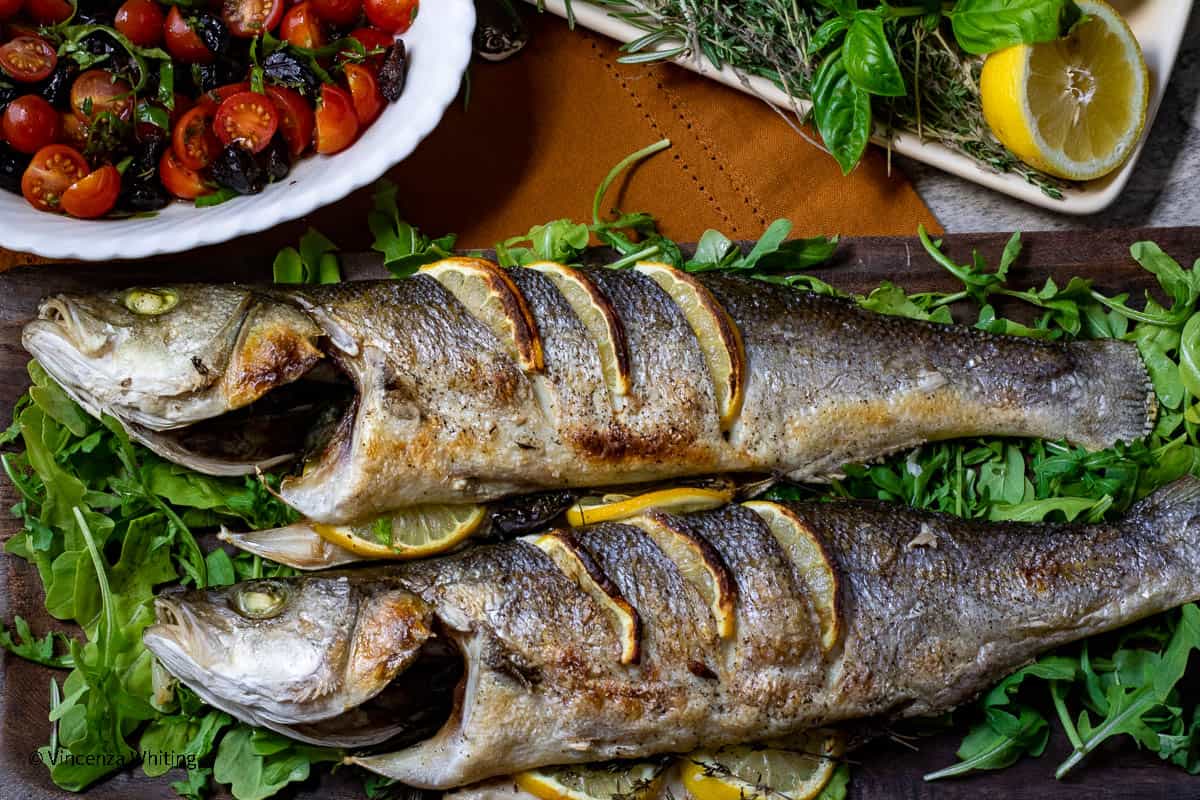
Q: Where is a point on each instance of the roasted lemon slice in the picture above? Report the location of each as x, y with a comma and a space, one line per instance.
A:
1074, 107
719, 338
763, 773
636, 780
490, 295
599, 319
812, 563
416, 532
613, 507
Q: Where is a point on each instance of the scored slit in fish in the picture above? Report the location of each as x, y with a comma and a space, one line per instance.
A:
842, 612
434, 406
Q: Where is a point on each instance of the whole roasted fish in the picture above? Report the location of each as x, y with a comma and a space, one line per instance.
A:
468, 382
668, 633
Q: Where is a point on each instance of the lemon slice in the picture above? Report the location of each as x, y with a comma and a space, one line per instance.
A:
1074, 107
812, 563
763, 773
416, 532
614, 507
599, 319
699, 563
719, 338
578, 565
638, 780
490, 295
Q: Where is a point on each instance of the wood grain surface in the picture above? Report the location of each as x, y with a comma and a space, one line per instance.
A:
884, 770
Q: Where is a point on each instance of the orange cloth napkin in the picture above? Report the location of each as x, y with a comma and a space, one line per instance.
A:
538, 132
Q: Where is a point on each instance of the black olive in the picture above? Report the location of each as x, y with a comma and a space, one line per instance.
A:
142, 194
57, 88
211, 30
234, 66
285, 69
275, 160
146, 156
204, 78
528, 513
237, 169
393, 72
99, 43
12, 167
93, 16
8, 93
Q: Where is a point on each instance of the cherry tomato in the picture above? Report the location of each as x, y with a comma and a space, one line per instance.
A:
393, 16
28, 59
93, 195
249, 18
182, 105
338, 12
373, 39
182, 42
301, 28
337, 125
364, 90
179, 180
30, 123
295, 118
195, 145
74, 130
222, 93
9, 8
141, 21
48, 12
97, 91
51, 172
248, 118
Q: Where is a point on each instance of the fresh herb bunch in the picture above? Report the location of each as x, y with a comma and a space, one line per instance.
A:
867, 66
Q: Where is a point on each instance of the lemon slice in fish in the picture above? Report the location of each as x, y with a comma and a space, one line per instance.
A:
416, 532
638, 780
490, 295
763, 773
614, 507
719, 338
812, 563
599, 319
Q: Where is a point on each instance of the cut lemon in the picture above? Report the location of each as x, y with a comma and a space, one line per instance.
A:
601, 322
578, 565
637, 780
763, 773
812, 563
416, 532
719, 338
490, 295
1074, 107
698, 562
614, 507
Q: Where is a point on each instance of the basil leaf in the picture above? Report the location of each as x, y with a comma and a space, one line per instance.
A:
985, 26
868, 57
841, 112
827, 33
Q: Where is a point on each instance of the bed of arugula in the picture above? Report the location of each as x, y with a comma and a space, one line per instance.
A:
106, 522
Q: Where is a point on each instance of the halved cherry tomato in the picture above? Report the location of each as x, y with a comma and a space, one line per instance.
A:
295, 118
51, 172
141, 21
9, 8
74, 130
222, 93
30, 123
373, 39
394, 16
301, 28
179, 180
97, 91
364, 90
337, 125
49, 12
182, 105
182, 42
249, 18
94, 195
195, 145
248, 118
28, 59
338, 12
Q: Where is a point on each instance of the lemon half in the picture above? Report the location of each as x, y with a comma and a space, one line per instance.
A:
416, 532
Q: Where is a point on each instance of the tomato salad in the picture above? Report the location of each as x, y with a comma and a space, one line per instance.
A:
113, 108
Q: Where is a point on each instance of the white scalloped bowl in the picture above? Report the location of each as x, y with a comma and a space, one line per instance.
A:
439, 48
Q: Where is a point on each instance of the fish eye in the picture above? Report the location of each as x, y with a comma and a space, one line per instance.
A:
150, 302
261, 599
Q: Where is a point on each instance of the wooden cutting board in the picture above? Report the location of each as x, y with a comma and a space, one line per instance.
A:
885, 770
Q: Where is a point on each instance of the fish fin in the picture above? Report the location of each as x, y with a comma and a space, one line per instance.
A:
1118, 403
1172, 508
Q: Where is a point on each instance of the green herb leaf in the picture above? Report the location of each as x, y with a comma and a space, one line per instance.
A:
985, 26
841, 112
868, 58
30, 648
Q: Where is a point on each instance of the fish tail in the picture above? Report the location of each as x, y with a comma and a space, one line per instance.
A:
1112, 398
1172, 512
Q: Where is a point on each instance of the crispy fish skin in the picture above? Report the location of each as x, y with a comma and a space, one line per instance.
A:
932, 610
445, 413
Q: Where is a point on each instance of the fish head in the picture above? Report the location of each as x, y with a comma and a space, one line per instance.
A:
289, 651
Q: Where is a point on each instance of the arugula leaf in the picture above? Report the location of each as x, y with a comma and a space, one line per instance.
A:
30, 648
256, 764
404, 248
